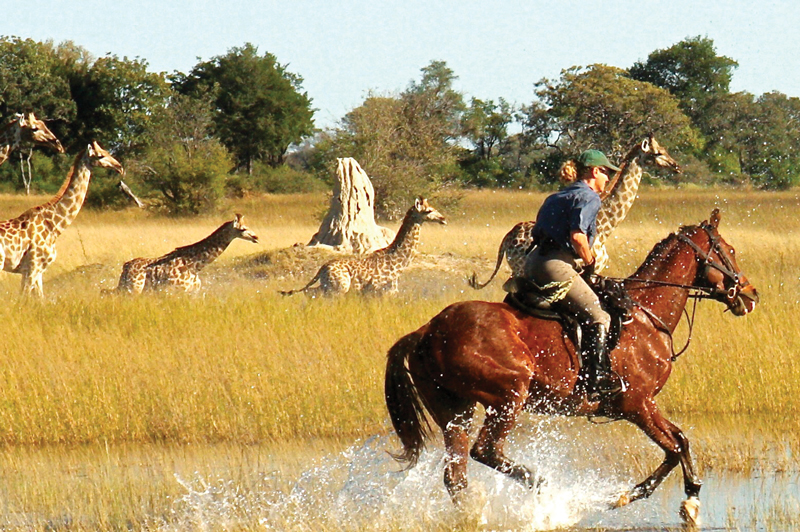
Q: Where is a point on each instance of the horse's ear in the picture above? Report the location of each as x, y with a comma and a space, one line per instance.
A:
714, 220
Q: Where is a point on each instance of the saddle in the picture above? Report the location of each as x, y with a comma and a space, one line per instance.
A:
541, 302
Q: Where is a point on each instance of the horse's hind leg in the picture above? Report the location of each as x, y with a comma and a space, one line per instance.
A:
453, 415
488, 448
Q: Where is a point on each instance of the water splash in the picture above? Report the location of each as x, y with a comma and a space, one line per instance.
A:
363, 488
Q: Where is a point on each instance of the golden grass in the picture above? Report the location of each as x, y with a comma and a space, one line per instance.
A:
207, 376
240, 363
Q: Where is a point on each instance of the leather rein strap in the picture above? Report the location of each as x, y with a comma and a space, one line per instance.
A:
695, 292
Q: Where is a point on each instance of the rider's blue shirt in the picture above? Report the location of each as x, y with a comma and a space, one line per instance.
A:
573, 208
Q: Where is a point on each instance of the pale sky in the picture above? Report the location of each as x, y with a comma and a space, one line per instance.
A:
497, 49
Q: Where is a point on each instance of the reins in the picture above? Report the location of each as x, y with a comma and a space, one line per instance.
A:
694, 292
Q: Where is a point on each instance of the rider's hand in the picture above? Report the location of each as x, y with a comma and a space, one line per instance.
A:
588, 271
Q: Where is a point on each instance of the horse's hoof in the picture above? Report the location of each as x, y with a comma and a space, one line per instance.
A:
624, 500
690, 513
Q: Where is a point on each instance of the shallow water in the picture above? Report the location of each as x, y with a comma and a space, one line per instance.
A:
339, 485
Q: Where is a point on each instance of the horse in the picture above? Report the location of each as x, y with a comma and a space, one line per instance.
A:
493, 354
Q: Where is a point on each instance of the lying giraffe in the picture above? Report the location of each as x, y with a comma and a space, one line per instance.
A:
26, 129
617, 202
180, 268
28, 242
378, 271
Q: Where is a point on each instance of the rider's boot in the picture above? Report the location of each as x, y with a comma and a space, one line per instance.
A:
602, 381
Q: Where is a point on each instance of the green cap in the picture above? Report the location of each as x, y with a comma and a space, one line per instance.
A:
596, 158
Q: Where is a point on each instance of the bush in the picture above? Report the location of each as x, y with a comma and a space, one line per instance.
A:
280, 180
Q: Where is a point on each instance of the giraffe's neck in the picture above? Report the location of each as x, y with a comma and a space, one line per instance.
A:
200, 254
621, 196
67, 203
402, 249
10, 138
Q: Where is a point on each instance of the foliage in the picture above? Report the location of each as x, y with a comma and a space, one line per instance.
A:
31, 80
405, 143
116, 99
692, 71
259, 109
181, 163
601, 107
283, 179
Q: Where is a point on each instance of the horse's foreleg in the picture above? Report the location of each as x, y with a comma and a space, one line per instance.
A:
663, 433
488, 448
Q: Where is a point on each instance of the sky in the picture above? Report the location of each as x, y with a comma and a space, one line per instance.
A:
345, 49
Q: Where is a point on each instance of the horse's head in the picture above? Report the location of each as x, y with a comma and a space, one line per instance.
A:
718, 268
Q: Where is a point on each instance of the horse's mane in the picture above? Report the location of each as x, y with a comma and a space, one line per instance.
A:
661, 251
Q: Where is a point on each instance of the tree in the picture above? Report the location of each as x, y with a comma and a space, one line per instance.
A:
116, 99
184, 166
30, 80
485, 125
258, 107
692, 71
601, 107
405, 143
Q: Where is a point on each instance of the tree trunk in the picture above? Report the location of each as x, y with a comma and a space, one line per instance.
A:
350, 224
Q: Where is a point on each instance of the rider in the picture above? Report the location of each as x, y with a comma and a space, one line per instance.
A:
565, 230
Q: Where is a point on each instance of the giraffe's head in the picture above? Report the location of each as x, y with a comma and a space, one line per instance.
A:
655, 154
99, 157
423, 212
242, 231
32, 130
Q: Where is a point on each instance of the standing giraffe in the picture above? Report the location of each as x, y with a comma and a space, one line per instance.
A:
180, 268
377, 272
28, 242
617, 202
24, 129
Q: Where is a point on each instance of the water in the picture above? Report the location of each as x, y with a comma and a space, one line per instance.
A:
363, 488
750, 475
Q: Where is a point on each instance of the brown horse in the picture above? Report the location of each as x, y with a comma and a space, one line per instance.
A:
489, 353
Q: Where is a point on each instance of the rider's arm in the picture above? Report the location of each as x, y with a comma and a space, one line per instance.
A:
580, 243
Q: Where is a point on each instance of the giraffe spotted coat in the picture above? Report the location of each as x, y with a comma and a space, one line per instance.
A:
28, 242
378, 271
180, 268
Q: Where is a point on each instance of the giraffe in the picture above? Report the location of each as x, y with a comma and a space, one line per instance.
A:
180, 268
28, 242
617, 201
378, 271
26, 129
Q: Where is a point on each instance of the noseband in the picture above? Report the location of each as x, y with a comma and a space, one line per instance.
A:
697, 292
726, 267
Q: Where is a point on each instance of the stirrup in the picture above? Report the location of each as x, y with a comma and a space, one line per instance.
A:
606, 384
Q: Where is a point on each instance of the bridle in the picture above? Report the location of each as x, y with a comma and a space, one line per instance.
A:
725, 266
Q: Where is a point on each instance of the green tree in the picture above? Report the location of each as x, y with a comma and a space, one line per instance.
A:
601, 107
405, 143
182, 167
692, 71
259, 107
116, 99
485, 125
31, 80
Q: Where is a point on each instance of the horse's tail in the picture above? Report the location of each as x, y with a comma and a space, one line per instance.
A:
306, 287
403, 401
473, 281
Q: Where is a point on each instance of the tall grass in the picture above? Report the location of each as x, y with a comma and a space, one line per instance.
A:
240, 363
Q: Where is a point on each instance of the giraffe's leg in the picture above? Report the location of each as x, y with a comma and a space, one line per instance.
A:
333, 283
